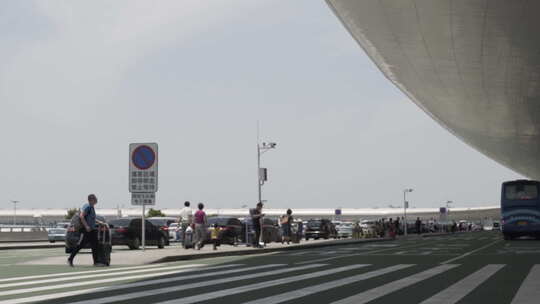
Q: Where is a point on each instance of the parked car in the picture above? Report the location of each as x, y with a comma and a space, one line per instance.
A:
128, 231
72, 237
271, 232
344, 230
57, 234
322, 228
369, 227
231, 229
64, 225
163, 224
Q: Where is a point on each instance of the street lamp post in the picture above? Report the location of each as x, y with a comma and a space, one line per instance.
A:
15, 212
405, 206
261, 173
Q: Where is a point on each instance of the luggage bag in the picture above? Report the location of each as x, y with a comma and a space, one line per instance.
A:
104, 247
188, 238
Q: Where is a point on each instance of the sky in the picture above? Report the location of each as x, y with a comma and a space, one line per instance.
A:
81, 80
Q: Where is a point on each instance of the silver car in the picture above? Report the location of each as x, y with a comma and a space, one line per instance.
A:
57, 234
344, 230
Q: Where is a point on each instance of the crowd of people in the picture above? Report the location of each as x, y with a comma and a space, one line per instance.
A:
193, 225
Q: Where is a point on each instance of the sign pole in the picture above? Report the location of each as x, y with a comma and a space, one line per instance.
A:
143, 230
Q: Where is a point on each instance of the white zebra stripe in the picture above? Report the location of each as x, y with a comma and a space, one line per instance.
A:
460, 289
529, 292
241, 289
100, 275
385, 289
326, 286
101, 281
152, 292
136, 284
62, 274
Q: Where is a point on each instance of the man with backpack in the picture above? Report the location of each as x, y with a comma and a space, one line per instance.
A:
88, 228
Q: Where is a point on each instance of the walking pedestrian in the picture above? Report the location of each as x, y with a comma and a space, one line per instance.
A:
256, 219
418, 225
185, 220
200, 226
88, 230
286, 221
214, 235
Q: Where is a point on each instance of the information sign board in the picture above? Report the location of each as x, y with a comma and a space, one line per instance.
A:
143, 167
147, 199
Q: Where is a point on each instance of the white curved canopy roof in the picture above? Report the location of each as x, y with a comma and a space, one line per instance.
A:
474, 66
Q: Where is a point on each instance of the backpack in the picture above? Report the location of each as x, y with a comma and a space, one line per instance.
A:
76, 222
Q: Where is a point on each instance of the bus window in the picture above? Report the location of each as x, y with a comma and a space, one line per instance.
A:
521, 192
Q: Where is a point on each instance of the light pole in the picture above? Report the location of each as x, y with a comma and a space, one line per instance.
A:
15, 212
405, 205
261, 172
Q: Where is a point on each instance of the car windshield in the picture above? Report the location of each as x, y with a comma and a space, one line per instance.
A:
219, 220
158, 222
57, 231
120, 222
521, 191
314, 223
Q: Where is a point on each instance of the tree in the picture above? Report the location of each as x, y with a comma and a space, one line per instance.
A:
154, 213
71, 212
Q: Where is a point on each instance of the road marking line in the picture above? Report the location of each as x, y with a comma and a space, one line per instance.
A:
385, 289
469, 253
327, 286
71, 278
146, 293
529, 293
460, 289
302, 253
136, 284
79, 272
356, 254
101, 281
246, 288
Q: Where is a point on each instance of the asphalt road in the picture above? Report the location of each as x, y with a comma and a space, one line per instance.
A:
464, 268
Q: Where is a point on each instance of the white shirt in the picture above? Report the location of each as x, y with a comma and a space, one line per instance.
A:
186, 215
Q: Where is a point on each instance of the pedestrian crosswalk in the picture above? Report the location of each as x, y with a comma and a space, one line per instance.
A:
265, 284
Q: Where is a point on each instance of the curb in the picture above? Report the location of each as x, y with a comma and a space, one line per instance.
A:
25, 241
252, 251
45, 246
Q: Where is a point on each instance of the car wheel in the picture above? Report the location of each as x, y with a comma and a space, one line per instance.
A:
161, 242
135, 244
52, 241
307, 239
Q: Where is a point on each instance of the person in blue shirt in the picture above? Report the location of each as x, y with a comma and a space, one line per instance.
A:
89, 230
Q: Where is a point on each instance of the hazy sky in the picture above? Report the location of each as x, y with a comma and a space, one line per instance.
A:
80, 80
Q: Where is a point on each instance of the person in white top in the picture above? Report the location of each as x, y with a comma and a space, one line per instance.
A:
185, 220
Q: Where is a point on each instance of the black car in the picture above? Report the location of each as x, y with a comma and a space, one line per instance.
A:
128, 231
74, 237
230, 229
322, 228
270, 231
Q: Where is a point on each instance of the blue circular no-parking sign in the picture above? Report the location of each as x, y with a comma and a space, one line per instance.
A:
143, 157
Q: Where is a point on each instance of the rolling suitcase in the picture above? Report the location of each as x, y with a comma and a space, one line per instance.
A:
104, 247
188, 238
